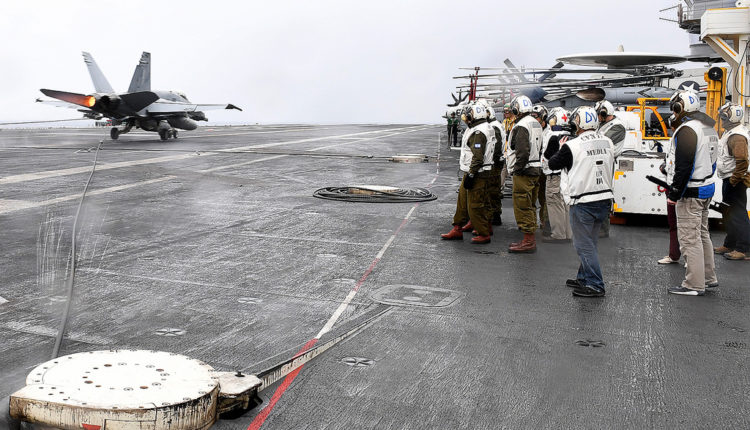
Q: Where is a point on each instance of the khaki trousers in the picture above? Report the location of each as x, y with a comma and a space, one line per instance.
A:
474, 205
695, 242
559, 212
525, 195
495, 191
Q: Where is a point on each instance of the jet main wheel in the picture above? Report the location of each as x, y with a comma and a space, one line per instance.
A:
164, 134
114, 133
174, 134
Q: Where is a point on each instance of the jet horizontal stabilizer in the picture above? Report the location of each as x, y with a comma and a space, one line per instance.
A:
139, 100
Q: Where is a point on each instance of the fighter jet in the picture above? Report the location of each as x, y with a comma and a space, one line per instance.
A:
160, 111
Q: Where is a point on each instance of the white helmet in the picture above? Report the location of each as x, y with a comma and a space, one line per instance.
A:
557, 116
584, 118
684, 101
539, 111
604, 108
474, 111
731, 112
520, 105
488, 105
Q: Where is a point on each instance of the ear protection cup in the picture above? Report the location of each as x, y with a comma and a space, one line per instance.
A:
677, 107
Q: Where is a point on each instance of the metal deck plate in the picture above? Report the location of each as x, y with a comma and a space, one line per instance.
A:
415, 295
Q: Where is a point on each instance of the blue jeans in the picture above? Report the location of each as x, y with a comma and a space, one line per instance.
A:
586, 220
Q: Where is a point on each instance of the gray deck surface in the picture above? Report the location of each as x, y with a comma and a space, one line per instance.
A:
184, 241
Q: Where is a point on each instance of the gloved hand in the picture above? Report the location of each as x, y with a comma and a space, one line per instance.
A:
468, 181
663, 168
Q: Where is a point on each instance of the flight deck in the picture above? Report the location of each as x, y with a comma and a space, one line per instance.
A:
212, 246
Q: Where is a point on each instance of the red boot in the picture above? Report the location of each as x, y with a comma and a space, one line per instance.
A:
467, 227
527, 245
480, 240
455, 234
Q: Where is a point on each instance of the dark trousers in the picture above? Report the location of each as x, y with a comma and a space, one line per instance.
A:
454, 134
586, 220
674, 244
736, 221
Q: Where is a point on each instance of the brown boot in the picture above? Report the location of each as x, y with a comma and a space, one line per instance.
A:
480, 240
735, 255
721, 250
455, 234
527, 245
476, 233
467, 227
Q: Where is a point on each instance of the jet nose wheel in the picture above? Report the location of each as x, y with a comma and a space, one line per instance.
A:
114, 133
174, 134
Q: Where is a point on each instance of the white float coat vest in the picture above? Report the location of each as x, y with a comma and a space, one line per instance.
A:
604, 128
534, 129
499, 125
548, 134
464, 161
704, 164
726, 162
591, 176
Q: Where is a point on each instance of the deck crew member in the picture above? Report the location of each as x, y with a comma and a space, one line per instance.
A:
587, 164
540, 112
612, 127
498, 165
732, 169
524, 163
477, 149
690, 167
557, 210
453, 130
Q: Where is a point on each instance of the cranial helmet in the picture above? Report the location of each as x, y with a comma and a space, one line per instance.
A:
684, 101
584, 118
604, 108
488, 106
474, 111
557, 116
731, 112
539, 111
520, 105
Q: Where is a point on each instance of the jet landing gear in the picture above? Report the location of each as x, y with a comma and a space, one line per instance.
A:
166, 134
115, 132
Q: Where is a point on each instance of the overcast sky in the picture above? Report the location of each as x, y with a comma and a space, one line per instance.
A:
323, 61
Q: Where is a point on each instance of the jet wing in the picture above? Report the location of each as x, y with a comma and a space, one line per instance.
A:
167, 107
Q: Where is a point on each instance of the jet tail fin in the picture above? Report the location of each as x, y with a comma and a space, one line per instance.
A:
142, 76
101, 85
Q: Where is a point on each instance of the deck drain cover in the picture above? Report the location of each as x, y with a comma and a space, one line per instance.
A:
94, 389
591, 343
415, 295
358, 361
169, 332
